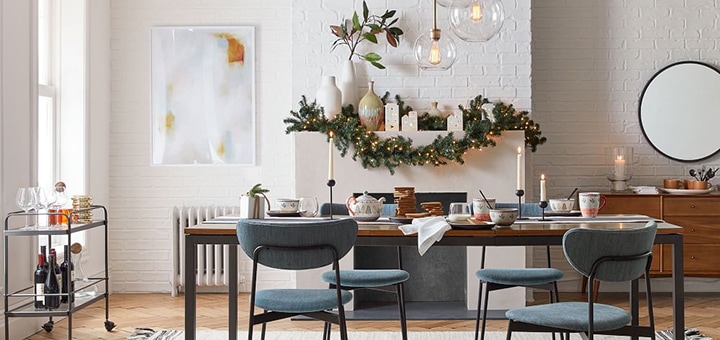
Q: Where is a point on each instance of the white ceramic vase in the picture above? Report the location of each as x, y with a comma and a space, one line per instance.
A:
329, 97
348, 85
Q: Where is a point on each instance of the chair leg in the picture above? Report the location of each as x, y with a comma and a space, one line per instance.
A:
326, 331
262, 333
479, 306
485, 308
401, 309
509, 331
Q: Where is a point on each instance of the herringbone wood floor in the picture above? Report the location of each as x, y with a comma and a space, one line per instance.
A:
160, 311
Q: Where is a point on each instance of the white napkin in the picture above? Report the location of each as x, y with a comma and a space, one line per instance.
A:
429, 230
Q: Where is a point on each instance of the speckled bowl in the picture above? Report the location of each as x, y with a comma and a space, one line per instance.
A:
503, 217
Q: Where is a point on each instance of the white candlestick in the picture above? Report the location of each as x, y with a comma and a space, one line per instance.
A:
543, 194
519, 169
619, 167
331, 174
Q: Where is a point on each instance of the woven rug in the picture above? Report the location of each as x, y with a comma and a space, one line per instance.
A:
149, 334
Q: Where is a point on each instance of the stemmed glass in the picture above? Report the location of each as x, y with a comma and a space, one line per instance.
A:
45, 198
26, 200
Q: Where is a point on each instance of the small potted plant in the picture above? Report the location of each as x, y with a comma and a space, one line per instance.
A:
353, 32
252, 203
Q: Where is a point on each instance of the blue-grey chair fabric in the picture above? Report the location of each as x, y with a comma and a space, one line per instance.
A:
366, 278
293, 245
607, 255
519, 276
341, 234
527, 209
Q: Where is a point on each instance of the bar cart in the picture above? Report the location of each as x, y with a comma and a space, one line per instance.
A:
20, 302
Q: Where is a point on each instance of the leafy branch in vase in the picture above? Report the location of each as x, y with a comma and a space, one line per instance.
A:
704, 174
353, 32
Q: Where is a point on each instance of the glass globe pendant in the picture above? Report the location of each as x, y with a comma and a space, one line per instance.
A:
434, 51
444, 3
476, 20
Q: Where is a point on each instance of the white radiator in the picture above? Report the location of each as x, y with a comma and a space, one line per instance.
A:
212, 259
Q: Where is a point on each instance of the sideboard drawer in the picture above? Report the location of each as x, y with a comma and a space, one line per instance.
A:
701, 259
648, 205
698, 229
691, 206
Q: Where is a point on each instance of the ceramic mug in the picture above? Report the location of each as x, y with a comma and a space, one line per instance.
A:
591, 203
671, 183
481, 210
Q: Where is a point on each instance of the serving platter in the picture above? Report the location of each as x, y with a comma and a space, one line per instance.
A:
686, 191
571, 213
403, 220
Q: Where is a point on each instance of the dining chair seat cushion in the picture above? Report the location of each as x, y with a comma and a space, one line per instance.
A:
299, 300
359, 278
519, 276
571, 316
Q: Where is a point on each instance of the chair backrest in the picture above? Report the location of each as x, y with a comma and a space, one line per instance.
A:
339, 234
584, 246
337, 209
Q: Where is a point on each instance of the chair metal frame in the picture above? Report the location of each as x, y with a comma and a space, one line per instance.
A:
399, 290
551, 287
268, 316
633, 330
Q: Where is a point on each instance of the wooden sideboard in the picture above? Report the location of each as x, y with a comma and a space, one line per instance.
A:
698, 214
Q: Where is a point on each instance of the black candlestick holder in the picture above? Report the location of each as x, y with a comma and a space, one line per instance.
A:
519, 193
331, 184
543, 205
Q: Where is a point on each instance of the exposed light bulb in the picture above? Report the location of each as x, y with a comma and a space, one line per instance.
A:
435, 56
477, 12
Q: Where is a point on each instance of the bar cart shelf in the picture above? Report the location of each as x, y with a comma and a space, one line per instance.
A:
20, 302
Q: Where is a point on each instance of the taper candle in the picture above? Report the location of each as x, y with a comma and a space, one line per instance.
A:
331, 172
519, 168
619, 167
543, 194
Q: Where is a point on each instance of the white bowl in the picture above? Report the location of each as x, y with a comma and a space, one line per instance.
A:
503, 217
562, 205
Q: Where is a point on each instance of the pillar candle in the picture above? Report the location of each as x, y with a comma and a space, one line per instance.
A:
519, 168
543, 192
331, 174
619, 167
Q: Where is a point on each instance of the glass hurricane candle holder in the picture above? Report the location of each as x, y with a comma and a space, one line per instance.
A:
620, 170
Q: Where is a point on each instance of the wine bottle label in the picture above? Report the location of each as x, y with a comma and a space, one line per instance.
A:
40, 291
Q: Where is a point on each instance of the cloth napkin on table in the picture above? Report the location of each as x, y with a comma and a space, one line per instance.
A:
429, 230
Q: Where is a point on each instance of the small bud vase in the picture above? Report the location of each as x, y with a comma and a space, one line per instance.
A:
329, 97
434, 111
370, 109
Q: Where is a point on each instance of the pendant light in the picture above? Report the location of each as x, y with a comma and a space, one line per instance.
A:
434, 51
476, 20
444, 3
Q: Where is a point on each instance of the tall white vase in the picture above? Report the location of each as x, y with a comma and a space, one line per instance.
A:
348, 85
329, 97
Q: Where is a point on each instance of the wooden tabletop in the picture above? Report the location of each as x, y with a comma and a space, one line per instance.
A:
390, 229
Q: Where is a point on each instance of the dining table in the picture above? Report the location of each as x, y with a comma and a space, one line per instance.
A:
384, 232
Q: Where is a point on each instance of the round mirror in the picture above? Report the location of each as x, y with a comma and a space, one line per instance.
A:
679, 111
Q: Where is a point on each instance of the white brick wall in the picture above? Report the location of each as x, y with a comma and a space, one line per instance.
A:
590, 62
292, 37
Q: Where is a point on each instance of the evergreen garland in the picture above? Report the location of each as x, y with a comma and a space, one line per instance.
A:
398, 150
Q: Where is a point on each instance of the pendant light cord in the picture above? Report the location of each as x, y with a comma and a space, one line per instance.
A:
434, 14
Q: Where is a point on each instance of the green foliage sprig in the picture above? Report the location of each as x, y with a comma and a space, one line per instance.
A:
352, 33
373, 152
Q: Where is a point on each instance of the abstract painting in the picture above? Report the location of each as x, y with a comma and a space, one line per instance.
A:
203, 95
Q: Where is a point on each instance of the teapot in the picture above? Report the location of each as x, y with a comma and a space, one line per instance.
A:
365, 207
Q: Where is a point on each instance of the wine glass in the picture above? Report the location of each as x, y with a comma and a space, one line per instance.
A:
308, 206
45, 198
26, 200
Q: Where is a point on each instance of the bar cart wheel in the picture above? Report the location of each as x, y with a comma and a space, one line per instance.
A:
48, 326
109, 325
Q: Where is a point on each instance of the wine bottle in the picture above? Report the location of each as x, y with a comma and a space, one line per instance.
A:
43, 251
57, 272
68, 277
52, 286
39, 280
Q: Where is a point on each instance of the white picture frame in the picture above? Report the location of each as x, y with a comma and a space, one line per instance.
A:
203, 95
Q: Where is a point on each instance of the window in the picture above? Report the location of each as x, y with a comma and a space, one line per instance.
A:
61, 100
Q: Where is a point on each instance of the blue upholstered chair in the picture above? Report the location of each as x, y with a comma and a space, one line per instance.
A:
386, 280
502, 278
297, 246
605, 255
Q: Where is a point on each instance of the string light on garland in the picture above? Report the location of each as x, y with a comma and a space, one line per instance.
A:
373, 152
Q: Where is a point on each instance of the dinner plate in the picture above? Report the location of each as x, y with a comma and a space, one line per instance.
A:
686, 191
467, 225
571, 213
275, 213
403, 220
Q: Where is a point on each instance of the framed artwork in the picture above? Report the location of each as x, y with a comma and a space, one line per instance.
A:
203, 95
